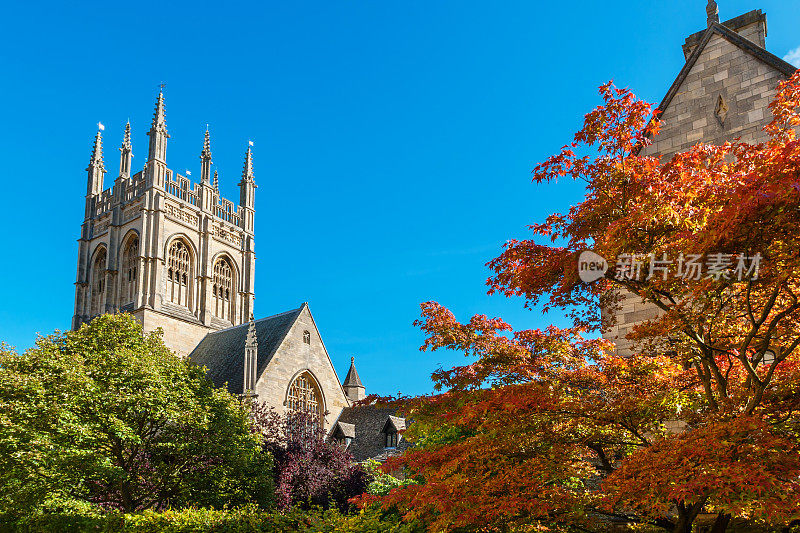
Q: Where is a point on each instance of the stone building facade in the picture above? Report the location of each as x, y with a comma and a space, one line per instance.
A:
174, 254
179, 257
721, 93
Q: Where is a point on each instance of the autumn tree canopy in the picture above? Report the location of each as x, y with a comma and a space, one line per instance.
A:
551, 428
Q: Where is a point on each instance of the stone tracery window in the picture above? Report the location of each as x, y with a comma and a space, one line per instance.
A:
305, 397
98, 283
130, 265
179, 266
222, 289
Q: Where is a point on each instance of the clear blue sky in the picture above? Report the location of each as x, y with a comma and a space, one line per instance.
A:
393, 141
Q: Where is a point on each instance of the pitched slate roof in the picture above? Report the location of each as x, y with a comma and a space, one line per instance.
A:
703, 37
222, 352
397, 423
352, 379
344, 429
369, 440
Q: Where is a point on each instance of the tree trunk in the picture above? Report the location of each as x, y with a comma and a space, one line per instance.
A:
686, 516
721, 523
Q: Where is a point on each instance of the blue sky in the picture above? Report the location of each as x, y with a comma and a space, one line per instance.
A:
393, 141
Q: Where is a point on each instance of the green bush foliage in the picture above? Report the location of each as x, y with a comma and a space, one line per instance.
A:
249, 519
107, 414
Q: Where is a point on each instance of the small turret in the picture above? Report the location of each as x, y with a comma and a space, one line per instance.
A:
250, 360
96, 168
158, 131
126, 154
352, 385
205, 160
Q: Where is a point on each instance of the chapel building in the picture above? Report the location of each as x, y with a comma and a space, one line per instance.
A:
180, 257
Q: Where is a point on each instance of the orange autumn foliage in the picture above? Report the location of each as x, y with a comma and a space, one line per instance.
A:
550, 430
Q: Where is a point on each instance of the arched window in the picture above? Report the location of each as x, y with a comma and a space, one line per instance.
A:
98, 286
179, 263
222, 288
307, 337
130, 266
304, 396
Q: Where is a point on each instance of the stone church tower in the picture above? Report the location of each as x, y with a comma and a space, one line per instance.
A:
173, 253
721, 93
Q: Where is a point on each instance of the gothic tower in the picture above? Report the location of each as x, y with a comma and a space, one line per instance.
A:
173, 253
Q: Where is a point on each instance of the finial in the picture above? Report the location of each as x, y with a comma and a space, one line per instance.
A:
247, 171
97, 152
126, 140
712, 11
159, 116
206, 153
352, 360
216, 181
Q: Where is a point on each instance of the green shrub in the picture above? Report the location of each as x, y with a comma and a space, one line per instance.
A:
240, 520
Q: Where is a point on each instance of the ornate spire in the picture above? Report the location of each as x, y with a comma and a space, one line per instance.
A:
158, 131
712, 11
96, 161
126, 140
216, 181
126, 153
247, 171
205, 157
247, 188
160, 116
96, 169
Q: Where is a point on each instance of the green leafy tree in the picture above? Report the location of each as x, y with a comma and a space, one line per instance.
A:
107, 414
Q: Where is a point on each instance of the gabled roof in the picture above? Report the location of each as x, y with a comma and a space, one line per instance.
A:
396, 423
222, 352
344, 429
369, 423
352, 379
702, 38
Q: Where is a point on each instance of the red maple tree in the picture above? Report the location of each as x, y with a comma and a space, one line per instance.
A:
552, 430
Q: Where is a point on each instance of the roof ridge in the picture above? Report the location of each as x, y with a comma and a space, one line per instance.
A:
247, 324
737, 40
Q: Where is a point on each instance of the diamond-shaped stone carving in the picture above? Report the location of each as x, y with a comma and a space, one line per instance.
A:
721, 110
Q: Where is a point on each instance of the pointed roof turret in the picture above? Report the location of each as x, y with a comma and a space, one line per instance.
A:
712, 12
352, 379
96, 161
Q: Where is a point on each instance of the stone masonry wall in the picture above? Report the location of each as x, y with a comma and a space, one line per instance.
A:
747, 86
291, 359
